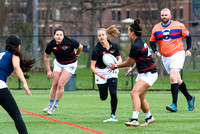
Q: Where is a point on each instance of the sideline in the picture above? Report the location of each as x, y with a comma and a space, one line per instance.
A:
54, 120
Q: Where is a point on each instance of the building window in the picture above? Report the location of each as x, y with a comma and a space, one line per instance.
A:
42, 15
113, 15
101, 15
57, 14
50, 31
119, 15
119, 1
39, 17
7, 2
128, 14
113, 1
181, 13
154, 14
137, 14
50, 15
174, 14
145, 15
154, 1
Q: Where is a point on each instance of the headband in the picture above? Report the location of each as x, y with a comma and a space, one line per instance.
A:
135, 30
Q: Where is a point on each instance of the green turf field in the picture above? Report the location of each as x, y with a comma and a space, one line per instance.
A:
85, 109
84, 80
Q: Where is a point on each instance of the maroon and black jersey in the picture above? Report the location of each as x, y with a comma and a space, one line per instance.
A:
99, 51
63, 52
140, 52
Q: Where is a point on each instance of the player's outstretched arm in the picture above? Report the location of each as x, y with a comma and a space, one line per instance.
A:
20, 74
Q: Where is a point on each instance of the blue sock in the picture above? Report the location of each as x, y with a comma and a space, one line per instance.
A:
56, 103
51, 102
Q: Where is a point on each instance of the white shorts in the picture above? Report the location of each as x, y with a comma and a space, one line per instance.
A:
69, 67
3, 84
108, 75
174, 61
148, 77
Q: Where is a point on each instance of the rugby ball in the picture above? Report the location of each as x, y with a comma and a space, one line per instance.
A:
108, 59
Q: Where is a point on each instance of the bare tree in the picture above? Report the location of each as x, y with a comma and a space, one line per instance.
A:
93, 9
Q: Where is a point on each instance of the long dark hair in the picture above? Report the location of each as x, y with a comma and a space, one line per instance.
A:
136, 28
12, 42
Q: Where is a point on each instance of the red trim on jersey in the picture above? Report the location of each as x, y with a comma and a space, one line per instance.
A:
175, 34
70, 54
159, 35
66, 62
144, 48
143, 59
148, 67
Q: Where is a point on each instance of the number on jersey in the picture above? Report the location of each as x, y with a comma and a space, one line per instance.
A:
1, 55
146, 46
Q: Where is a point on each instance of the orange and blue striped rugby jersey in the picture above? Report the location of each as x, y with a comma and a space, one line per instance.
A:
169, 37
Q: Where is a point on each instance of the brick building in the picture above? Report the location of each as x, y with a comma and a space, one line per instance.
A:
69, 16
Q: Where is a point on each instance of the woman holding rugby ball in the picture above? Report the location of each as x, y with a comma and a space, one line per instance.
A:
147, 74
65, 64
103, 78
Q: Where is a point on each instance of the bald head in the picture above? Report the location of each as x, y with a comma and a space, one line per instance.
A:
165, 15
166, 10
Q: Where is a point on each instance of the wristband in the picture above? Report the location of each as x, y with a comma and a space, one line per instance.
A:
189, 49
115, 66
156, 52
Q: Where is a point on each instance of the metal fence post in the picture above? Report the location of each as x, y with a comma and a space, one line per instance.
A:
93, 41
19, 84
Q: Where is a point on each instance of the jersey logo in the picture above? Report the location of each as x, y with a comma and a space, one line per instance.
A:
61, 47
112, 51
166, 35
64, 47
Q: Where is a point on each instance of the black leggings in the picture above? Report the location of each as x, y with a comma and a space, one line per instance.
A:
103, 92
8, 103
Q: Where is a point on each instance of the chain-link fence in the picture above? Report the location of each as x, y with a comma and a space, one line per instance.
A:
86, 81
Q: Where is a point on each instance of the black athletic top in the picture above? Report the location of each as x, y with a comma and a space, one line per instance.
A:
99, 51
140, 52
63, 52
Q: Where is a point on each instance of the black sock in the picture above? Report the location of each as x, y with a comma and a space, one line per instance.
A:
134, 119
174, 91
183, 89
148, 118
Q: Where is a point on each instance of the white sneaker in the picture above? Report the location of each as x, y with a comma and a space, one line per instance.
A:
112, 119
133, 122
47, 108
51, 110
148, 121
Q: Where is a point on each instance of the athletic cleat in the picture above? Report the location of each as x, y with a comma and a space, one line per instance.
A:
133, 122
172, 107
51, 110
112, 119
47, 108
148, 121
191, 104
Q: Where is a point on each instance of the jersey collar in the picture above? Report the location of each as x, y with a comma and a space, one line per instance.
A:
101, 47
166, 25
